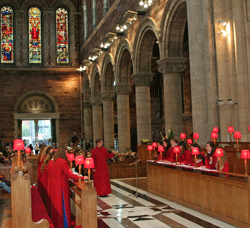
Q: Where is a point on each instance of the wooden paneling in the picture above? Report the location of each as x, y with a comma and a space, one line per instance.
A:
21, 203
221, 198
125, 170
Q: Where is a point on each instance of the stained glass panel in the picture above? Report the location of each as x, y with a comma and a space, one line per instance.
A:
35, 55
62, 36
7, 35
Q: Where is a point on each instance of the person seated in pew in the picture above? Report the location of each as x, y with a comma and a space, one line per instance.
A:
5, 184
185, 156
170, 156
58, 188
200, 158
224, 163
211, 159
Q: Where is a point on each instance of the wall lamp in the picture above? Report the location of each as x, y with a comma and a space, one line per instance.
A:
228, 102
222, 27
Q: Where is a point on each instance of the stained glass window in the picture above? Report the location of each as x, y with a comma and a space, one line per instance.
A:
62, 35
35, 55
7, 35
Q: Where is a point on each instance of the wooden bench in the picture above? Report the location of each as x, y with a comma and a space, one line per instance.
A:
21, 202
84, 204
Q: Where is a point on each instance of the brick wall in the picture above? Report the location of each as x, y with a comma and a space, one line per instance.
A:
64, 88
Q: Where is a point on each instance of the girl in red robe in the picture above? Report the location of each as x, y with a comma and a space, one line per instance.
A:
59, 174
211, 159
101, 173
185, 155
44, 175
41, 158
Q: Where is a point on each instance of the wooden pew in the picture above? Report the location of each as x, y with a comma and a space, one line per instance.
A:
84, 204
21, 202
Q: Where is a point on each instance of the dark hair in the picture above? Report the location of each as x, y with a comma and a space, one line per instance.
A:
183, 144
213, 149
196, 145
61, 153
98, 140
175, 140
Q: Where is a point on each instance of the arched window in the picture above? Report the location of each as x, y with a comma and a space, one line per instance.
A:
7, 35
35, 50
62, 35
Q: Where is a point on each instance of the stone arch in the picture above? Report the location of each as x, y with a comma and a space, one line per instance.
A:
173, 26
107, 73
95, 83
64, 4
39, 3
143, 46
36, 105
123, 60
14, 4
45, 97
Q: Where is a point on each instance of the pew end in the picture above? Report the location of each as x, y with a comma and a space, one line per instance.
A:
21, 203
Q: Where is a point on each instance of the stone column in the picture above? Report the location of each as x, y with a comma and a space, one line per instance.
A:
108, 118
123, 116
87, 120
171, 68
97, 118
143, 109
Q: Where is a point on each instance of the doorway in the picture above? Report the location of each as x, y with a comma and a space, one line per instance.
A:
36, 132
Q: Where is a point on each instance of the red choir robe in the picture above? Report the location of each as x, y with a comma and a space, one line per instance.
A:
185, 158
101, 175
169, 154
199, 161
39, 175
59, 193
211, 162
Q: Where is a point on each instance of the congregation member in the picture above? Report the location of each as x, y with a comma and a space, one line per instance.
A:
101, 173
5, 184
185, 155
58, 188
211, 159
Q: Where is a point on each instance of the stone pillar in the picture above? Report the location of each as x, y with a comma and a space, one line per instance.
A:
97, 118
143, 109
123, 116
108, 118
87, 120
171, 68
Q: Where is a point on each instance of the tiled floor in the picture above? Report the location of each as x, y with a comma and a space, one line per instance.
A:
123, 209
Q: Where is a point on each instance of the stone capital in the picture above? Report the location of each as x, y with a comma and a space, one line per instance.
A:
171, 65
122, 88
108, 95
142, 79
96, 100
87, 105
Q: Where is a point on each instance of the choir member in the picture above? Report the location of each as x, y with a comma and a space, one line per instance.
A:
58, 188
170, 156
211, 159
200, 158
100, 173
185, 155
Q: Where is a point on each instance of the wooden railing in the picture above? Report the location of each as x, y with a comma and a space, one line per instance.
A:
226, 199
125, 170
84, 204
